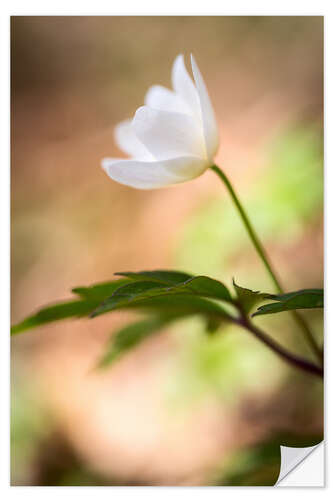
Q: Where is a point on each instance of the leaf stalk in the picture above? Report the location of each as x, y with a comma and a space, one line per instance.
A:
265, 259
289, 357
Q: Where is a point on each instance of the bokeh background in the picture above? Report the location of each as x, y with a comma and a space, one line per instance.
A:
182, 408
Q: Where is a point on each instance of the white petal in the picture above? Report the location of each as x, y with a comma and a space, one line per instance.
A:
161, 98
208, 118
184, 86
155, 174
128, 142
168, 135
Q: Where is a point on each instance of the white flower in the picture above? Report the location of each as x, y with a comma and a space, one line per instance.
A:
172, 139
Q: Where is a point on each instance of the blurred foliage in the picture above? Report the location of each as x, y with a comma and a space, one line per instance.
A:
255, 466
259, 465
41, 454
31, 423
224, 366
285, 196
290, 194
128, 337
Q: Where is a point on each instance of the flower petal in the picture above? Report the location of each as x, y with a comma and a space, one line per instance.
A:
168, 135
208, 118
155, 174
184, 86
128, 142
161, 98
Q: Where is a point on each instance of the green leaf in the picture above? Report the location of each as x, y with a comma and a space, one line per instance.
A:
169, 308
201, 286
130, 336
91, 297
56, 312
124, 292
248, 298
302, 299
314, 297
181, 304
161, 276
206, 287
100, 291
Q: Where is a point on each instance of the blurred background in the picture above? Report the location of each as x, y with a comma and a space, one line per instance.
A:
183, 408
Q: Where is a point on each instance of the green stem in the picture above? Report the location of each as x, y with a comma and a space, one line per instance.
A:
265, 259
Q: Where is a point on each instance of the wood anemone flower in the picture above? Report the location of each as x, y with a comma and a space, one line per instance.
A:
173, 138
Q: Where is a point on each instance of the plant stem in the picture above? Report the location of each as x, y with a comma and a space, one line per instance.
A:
265, 259
289, 357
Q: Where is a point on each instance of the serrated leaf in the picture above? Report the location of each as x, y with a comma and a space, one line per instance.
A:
92, 296
206, 287
130, 336
301, 299
249, 298
203, 285
138, 291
